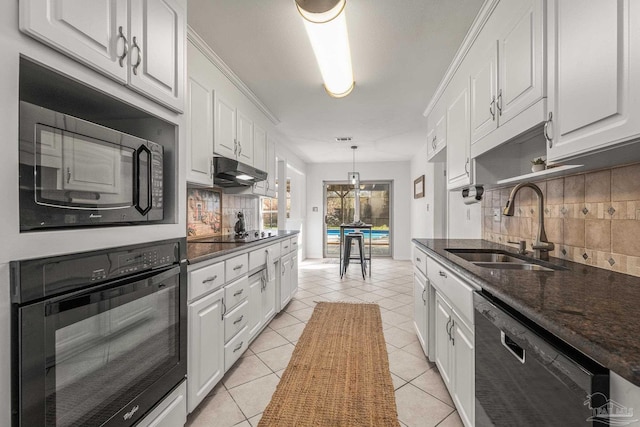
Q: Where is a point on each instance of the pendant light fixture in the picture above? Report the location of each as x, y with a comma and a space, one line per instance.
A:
326, 27
354, 179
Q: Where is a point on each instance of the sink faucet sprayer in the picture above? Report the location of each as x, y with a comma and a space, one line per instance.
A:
541, 246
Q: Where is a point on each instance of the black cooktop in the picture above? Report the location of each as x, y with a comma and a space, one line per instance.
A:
246, 237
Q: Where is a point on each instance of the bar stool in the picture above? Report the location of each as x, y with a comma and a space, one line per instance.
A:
349, 238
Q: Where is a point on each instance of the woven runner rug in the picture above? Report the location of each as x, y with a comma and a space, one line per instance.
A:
338, 374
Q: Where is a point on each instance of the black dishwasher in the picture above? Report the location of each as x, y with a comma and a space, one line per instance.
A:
526, 377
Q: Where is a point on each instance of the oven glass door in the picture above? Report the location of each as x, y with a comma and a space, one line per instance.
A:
104, 348
80, 172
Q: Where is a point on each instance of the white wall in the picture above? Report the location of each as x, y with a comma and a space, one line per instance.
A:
428, 213
465, 221
398, 172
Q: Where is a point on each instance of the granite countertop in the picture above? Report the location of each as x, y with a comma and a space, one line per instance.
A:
593, 309
198, 252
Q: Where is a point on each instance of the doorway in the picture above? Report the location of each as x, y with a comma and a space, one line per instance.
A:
375, 209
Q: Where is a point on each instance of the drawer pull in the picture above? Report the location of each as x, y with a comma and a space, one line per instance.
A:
443, 274
418, 259
210, 279
238, 267
239, 346
286, 247
239, 320
236, 293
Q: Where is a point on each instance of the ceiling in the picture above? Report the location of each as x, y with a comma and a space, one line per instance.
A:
400, 51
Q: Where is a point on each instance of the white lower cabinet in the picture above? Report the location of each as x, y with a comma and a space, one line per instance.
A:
454, 337
285, 281
171, 412
228, 309
420, 299
443, 339
205, 346
463, 357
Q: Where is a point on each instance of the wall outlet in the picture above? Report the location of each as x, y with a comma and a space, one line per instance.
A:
496, 214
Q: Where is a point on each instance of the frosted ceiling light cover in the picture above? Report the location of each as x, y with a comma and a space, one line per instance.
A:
327, 31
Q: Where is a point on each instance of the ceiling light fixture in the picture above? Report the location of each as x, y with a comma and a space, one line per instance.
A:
326, 27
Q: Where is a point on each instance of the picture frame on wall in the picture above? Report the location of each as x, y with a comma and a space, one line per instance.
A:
418, 187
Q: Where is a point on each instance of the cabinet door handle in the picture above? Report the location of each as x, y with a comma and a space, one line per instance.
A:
238, 267
418, 259
210, 279
492, 108
424, 299
466, 166
239, 320
239, 148
236, 293
443, 274
546, 129
68, 175
235, 147
284, 269
239, 346
499, 104
125, 50
447, 328
453, 339
139, 60
211, 168
224, 310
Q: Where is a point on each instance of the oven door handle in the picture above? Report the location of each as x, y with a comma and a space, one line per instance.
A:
118, 288
138, 173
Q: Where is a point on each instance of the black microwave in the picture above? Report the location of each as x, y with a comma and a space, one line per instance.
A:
77, 173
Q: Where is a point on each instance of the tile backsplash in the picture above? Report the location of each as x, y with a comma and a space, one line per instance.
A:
232, 204
592, 218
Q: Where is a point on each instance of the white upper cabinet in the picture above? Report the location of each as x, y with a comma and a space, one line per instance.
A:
142, 47
458, 132
225, 141
270, 190
437, 131
157, 50
507, 71
594, 66
483, 81
244, 150
521, 53
259, 155
93, 32
200, 109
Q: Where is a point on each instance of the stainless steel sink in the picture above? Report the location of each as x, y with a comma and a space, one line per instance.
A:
491, 257
512, 266
502, 260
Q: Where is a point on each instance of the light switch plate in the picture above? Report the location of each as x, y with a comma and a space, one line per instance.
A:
496, 214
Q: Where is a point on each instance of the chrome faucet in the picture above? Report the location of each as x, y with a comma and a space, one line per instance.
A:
541, 246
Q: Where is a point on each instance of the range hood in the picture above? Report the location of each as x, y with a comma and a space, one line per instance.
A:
232, 173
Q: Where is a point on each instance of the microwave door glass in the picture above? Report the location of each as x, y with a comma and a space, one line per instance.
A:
79, 172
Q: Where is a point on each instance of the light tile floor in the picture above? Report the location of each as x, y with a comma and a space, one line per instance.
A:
421, 396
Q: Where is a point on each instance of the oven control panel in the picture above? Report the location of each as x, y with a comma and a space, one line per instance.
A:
37, 278
133, 262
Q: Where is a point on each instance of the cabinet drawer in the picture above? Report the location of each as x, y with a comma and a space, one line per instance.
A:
234, 348
457, 292
435, 272
294, 244
204, 280
236, 267
420, 260
285, 247
235, 320
257, 258
235, 292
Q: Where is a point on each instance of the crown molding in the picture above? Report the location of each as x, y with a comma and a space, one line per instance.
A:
478, 23
199, 42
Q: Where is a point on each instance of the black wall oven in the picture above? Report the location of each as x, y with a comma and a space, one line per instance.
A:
99, 338
77, 173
